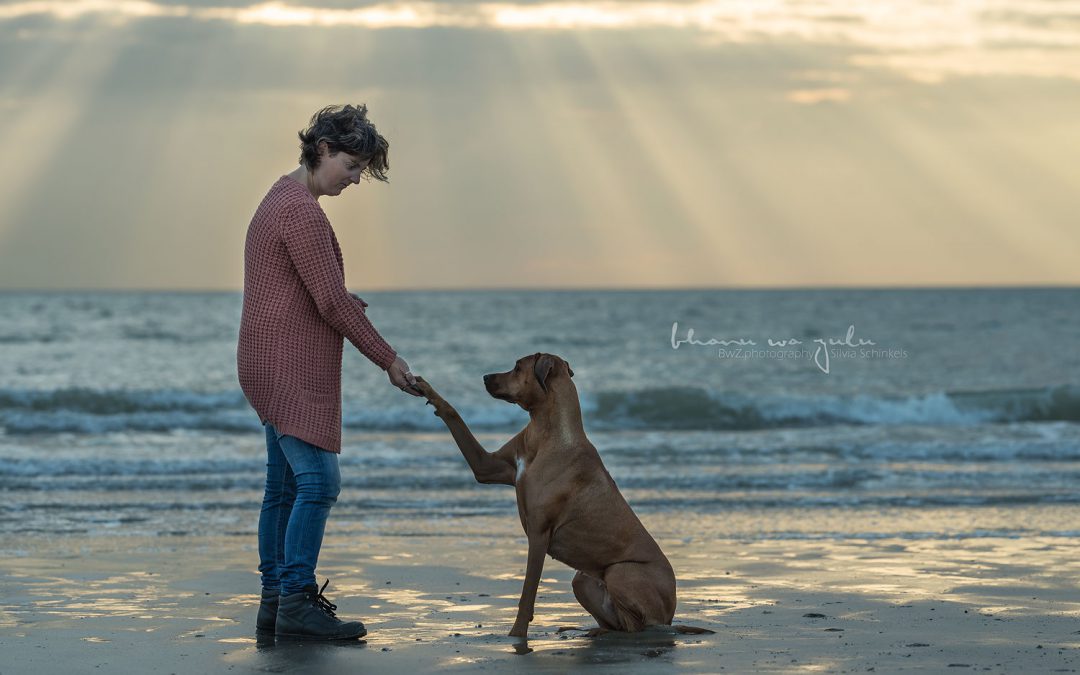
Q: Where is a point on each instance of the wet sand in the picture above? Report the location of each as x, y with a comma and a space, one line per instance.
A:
187, 604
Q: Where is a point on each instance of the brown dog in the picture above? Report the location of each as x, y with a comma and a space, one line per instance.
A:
568, 503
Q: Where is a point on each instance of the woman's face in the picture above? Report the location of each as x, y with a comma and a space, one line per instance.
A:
337, 172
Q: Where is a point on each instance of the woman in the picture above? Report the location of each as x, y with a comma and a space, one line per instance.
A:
296, 310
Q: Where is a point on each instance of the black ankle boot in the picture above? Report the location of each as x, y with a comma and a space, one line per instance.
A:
268, 610
308, 614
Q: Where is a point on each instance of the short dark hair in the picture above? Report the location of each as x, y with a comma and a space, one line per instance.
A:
345, 129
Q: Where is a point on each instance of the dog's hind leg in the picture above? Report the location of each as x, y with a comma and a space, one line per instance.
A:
594, 597
643, 594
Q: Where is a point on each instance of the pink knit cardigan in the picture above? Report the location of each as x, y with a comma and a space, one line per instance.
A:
296, 310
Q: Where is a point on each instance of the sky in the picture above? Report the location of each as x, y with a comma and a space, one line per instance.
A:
551, 144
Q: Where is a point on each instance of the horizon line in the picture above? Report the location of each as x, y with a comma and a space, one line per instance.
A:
458, 289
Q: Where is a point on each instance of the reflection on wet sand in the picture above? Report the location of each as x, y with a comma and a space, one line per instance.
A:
775, 606
472, 643
615, 647
287, 655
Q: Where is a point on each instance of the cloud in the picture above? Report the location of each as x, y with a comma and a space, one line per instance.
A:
933, 67
814, 96
926, 40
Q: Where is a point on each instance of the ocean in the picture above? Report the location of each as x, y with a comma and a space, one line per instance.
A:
733, 414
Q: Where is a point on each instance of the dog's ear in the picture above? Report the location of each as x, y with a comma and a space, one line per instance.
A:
569, 370
542, 368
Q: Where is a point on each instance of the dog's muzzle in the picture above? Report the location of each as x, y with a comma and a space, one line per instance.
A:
491, 384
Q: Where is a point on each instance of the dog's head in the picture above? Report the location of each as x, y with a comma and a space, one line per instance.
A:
530, 381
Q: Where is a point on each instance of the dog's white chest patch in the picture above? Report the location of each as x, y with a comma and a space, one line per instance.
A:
520, 469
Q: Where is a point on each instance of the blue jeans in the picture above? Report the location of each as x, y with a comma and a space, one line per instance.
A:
302, 483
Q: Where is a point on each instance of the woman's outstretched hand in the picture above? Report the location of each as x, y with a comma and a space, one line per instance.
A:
401, 378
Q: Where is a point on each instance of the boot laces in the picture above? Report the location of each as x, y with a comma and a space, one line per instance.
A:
323, 603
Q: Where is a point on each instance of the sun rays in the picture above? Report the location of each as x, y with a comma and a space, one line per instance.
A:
608, 144
61, 83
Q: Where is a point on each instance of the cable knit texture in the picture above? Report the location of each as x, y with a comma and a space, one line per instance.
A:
296, 311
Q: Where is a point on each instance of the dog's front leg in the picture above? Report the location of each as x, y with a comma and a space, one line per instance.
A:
487, 467
538, 547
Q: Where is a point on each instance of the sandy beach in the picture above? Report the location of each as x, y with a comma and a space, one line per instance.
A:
187, 605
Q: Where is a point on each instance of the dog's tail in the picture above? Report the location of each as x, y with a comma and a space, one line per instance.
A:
691, 630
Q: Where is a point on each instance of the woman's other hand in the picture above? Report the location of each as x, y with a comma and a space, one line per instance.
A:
401, 378
363, 304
